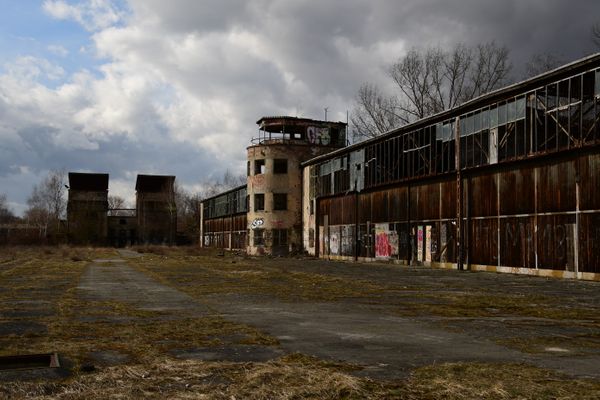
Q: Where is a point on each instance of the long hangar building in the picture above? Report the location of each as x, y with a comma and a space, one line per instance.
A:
507, 182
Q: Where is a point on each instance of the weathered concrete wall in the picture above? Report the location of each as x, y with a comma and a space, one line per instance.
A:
268, 183
308, 217
86, 216
122, 231
156, 217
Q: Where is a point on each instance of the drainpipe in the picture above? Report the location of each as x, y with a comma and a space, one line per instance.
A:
459, 196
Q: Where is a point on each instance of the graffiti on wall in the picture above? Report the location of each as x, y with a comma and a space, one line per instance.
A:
257, 223
347, 239
428, 243
420, 243
386, 241
334, 241
317, 135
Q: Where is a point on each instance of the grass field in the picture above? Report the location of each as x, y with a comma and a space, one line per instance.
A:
42, 310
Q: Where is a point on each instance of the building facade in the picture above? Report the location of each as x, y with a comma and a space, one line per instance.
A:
87, 205
91, 222
156, 209
506, 182
268, 219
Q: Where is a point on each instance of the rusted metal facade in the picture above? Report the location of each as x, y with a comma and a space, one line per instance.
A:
524, 198
223, 220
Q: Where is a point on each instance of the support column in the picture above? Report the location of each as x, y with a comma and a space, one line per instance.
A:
459, 196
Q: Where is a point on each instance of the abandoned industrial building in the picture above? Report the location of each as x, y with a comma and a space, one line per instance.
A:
507, 182
90, 221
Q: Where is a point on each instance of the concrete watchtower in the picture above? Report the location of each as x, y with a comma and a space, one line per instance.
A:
275, 178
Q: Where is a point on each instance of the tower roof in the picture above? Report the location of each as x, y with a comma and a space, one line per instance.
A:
88, 181
154, 183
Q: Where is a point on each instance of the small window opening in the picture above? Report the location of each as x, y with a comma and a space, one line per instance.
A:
259, 167
259, 202
280, 166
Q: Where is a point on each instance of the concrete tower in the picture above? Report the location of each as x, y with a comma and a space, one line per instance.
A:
275, 178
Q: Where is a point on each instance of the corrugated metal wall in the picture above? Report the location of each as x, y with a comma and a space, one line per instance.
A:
543, 214
222, 231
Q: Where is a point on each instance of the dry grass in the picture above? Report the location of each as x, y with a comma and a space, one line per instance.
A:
300, 377
494, 381
199, 273
203, 274
174, 379
47, 277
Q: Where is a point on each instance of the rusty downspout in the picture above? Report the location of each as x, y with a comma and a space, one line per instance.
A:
459, 196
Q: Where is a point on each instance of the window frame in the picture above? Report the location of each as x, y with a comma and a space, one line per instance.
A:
280, 166
258, 196
277, 235
278, 201
258, 237
260, 166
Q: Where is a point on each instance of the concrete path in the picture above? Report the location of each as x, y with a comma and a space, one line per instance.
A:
387, 346
114, 280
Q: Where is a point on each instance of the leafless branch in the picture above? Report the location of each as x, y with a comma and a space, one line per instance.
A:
429, 81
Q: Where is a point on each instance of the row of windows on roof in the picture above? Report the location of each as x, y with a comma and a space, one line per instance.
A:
560, 115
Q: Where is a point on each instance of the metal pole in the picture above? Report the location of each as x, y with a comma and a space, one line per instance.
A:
459, 196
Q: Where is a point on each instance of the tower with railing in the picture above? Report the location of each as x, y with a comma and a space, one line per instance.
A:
274, 187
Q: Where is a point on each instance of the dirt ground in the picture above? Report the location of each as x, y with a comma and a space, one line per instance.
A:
186, 323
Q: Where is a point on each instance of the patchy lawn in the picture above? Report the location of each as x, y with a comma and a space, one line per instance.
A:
114, 349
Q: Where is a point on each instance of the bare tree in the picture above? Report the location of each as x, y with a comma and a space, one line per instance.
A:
116, 202
188, 213
6, 214
47, 202
374, 112
540, 63
596, 34
230, 180
429, 81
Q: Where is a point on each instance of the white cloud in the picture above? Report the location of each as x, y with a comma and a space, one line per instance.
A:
181, 82
58, 50
93, 15
30, 69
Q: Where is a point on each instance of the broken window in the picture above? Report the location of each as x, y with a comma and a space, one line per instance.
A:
259, 237
279, 237
280, 166
259, 167
279, 201
259, 202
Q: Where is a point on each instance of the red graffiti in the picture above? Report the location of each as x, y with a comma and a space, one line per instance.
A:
382, 245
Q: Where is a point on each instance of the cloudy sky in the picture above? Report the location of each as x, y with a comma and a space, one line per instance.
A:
175, 87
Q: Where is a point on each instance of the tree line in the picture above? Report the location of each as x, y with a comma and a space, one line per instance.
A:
47, 206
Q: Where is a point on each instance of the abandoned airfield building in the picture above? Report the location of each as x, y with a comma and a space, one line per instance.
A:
87, 206
271, 202
508, 182
90, 221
